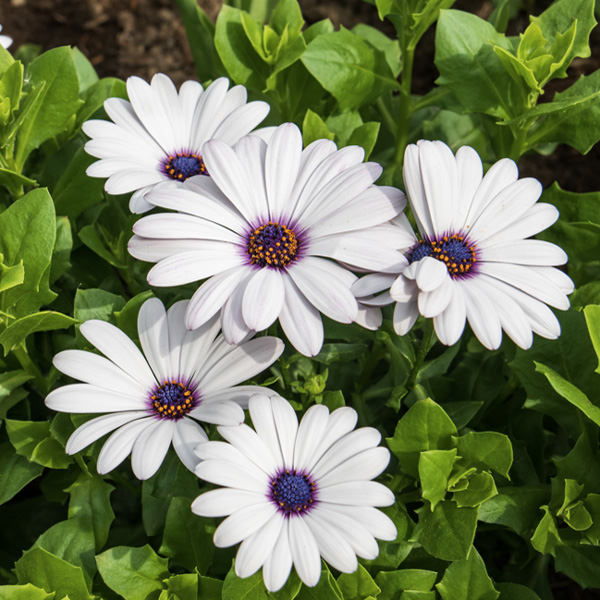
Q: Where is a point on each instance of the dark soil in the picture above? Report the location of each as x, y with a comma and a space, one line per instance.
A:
142, 37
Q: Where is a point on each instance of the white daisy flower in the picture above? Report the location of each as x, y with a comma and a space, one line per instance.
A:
262, 229
158, 397
296, 493
159, 134
473, 260
5, 41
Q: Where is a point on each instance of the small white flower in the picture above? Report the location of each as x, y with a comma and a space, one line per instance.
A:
294, 493
262, 230
159, 134
158, 398
474, 260
5, 41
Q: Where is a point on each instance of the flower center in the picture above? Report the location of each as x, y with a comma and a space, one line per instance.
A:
182, 165
293, 492
273, 245
172, 400
454, 251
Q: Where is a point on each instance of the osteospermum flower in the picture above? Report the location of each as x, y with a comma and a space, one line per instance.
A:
5, 41
183, 379
473, 260
294, 493
263, 229
159, 134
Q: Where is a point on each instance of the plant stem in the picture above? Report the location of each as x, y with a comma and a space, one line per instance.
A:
408, 56
28, 365
421, 354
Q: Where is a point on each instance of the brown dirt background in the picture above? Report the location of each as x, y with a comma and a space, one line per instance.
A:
142, 37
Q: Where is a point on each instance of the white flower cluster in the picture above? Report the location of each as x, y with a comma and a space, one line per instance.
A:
278, 232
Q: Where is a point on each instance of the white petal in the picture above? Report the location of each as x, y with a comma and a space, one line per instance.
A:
138, 203
378, 524
255, 550
234, 327
263, 420
482, 317
241, 474
99, 371
119, 445
333, 547
415, 191
450, 324
84, 398
372, 284
154, 337
224, 501
300, 320
366, 465
277, 567
239, 394
263, 298
310, 433
251, 152
243, 523
186, 267
470, 175
153, 250
249, 443
357, 493
241, 363
93, 430
526, 252
117, 347
305, 552
405, 316
186, 436
151, 447
282, 163
435, 302
325, 292
241, 121
219, 413
431, 274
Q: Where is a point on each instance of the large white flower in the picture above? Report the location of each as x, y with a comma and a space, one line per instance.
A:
473, 261
295, 493
263, 229
158, 398
5, 41
159, 134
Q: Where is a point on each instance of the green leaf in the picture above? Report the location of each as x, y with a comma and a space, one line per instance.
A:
54, 73
391, 582
435, 467
24, 592
127, 316
515, 507
11, 85
592, 319
570, 393
11, 276
557, 19
96, 304
186, 540
571, 117
91, 238
250, 588
61, 253
515, 591
339, 352
358, 585
235, 50
86, 74
326, 589
486, 450
351, 69
391, 554
51, 573
546, 538
15, 472
467, 580
365, 135
27, 235
33, 440
470, 67
579, 563
424, 427
448, 531
75, 191
287, 14
18, 331
209, 588
90, 499
389, 47
73, 541
480, 487
314, 128
134, 573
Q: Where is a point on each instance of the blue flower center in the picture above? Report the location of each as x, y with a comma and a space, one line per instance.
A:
293, 492
273, 245
454, 251
182, 165
172, 400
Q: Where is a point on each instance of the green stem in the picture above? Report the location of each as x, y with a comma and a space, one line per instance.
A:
39, 381
421, 354
408, 56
